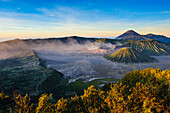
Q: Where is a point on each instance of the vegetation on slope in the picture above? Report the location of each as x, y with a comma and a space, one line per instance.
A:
25, 74
129, 55
69, 89
149, 47
150, 77
147, 91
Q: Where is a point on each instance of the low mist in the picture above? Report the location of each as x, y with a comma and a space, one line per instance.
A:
15, 48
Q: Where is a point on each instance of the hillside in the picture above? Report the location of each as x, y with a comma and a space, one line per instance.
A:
14, 48
129, 55
19, 47
132, 35
26, 75
158, 37
149, 47
60, 40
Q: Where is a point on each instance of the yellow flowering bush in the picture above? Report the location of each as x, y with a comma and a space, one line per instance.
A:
144, 91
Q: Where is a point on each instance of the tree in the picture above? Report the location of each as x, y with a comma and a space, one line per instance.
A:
76, 105
93, 100
3, 96
142, 99
23, 104
116, 98
62, 106
44, 104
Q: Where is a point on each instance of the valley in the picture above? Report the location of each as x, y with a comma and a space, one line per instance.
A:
84, 56
66, 66
90, 67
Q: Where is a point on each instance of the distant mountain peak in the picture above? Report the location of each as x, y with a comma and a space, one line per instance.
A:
132, 35
151, 34
132, 32
128, 34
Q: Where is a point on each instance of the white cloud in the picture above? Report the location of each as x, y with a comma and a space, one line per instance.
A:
164, 12
149, 13
6, 0
70, 21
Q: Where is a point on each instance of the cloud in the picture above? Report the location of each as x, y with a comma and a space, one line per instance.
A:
17, 20
149, 13
164, 12
71, 14
6, 0
73, 21
77, 19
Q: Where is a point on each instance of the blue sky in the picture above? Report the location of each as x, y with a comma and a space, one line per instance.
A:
91, 18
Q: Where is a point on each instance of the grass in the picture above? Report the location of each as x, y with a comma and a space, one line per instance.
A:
109, 79
78, 86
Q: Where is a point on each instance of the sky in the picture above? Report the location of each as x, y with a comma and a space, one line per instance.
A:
88, 18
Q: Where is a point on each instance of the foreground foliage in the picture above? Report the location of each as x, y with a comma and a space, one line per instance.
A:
144, 91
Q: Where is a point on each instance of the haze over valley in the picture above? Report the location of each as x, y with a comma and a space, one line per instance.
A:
84, 58
67, 66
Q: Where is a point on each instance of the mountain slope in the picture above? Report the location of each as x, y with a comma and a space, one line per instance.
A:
129, 55
18, 48
149, 47
14, 48
62, 40
132, 35
158, 37
27, 75
128, 35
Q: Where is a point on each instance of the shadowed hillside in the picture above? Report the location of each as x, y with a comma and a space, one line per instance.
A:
132, 35
27, 75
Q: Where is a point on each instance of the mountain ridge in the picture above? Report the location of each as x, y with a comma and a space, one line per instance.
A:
149, 47
132, 35
21, 47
